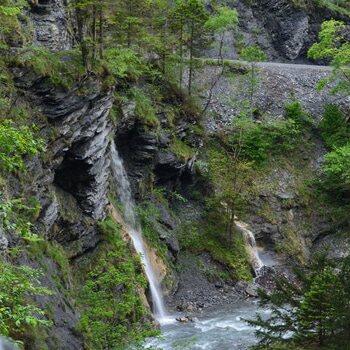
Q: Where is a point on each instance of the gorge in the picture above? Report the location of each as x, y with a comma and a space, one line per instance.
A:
145, 177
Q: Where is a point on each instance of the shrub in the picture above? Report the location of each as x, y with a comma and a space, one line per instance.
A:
144, 109
16, 142
17, 285
334, 129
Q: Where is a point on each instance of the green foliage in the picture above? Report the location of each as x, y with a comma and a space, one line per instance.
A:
338, 165
233, 181
148, 214
60, 68
15, 142
125, 63
333, 126
181, 150
12, 213
313, 310
207, 236
261, 140
249, 81
337, 6
112, 304
331, 45
18, 284
10, 29
144, 109
190, 238
295, 112
253, 54
130, 22
188, 25
335, 133
224, 19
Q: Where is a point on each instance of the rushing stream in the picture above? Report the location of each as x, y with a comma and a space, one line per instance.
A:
217, 329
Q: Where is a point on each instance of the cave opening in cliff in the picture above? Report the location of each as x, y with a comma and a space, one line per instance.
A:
72, 176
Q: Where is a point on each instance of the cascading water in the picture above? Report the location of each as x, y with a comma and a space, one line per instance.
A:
124, 194
249, 237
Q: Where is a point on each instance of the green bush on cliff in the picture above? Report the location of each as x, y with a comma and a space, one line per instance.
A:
338, 165
258, 141
334, 128
125, 63
112, 306
16, 142
144, 109
18, 284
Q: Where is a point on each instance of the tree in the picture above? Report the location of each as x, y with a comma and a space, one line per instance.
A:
188, 22
196, 19
130, 22
252, 55
223, 20
233, 182
312, 309
81, 15
332, 46
338, 166
316, 312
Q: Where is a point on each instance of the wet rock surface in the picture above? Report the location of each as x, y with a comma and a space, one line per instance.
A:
144, 152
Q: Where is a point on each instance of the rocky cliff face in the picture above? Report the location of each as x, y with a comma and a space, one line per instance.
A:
51, 26
72, 181
282, 30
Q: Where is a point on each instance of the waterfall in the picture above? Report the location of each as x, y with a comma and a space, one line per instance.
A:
124, 194
250, 240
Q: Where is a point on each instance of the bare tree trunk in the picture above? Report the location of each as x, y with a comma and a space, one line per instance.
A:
81, 36
181, 53
100, 38
94, 31
190, 72
218, 75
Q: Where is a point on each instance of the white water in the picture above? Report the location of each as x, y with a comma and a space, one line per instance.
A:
250, 239
124, 194
219, 328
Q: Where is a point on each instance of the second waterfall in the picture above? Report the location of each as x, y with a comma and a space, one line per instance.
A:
133, 226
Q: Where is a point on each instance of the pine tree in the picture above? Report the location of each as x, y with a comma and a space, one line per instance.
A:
314, 309
316, 313
188, 23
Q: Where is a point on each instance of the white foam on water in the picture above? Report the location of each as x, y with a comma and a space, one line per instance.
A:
167, 320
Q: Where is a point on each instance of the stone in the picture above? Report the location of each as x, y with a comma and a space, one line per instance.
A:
49, 214
251, 290
50, 24
164, 139
285, 195
3, 240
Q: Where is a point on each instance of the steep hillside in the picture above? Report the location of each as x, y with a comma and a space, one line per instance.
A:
77, 80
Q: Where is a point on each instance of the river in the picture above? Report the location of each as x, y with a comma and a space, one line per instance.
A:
217, 329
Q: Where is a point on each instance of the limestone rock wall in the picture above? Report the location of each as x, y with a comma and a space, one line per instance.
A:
283, 31
51, 24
